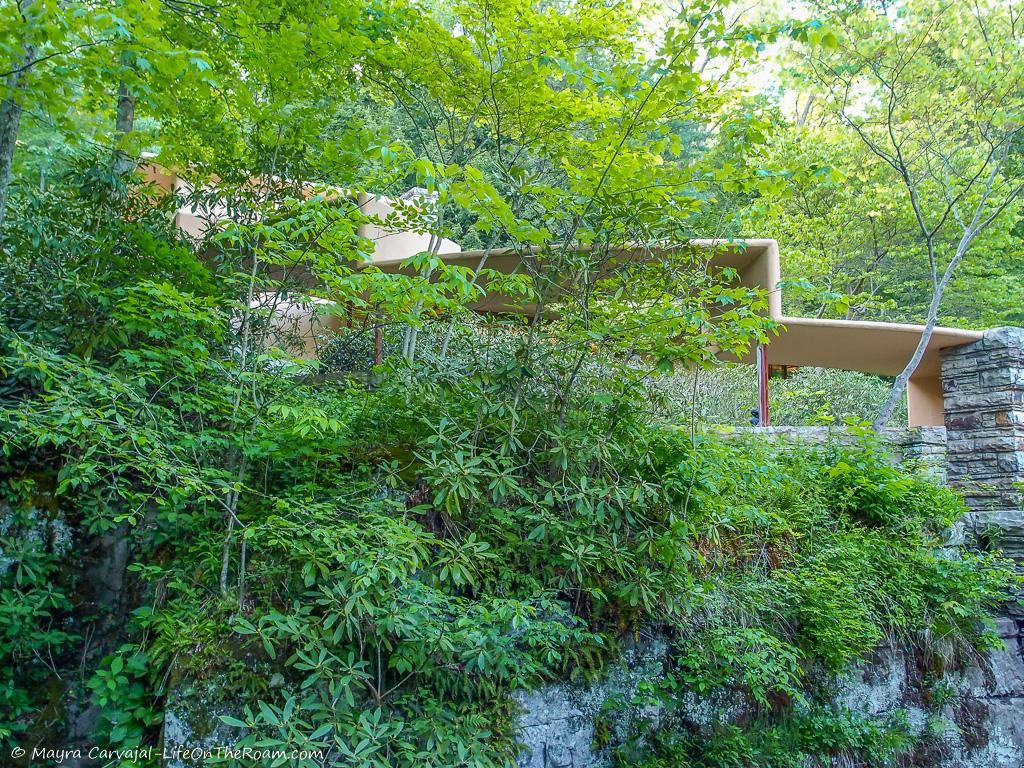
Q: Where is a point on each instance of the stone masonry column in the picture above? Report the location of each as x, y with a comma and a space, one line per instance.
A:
983, 384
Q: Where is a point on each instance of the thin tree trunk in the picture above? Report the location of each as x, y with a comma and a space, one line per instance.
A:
409, 339
10, 122
802, 118
122, 161
900, 385
443, 355
232, 508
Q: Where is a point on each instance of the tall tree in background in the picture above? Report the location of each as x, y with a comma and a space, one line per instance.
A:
850, 244
20, 56
936, 92
219, 89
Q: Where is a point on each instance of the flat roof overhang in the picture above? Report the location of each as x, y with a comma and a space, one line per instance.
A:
869, 347
878, 348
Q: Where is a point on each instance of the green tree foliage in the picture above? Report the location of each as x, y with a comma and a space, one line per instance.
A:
372, 558
851, 248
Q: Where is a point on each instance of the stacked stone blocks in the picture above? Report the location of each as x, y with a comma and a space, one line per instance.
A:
983, 386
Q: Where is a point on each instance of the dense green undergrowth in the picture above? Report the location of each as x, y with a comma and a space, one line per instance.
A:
371, 561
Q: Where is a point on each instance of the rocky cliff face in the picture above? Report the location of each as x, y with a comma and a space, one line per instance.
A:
568, 725
979, 723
